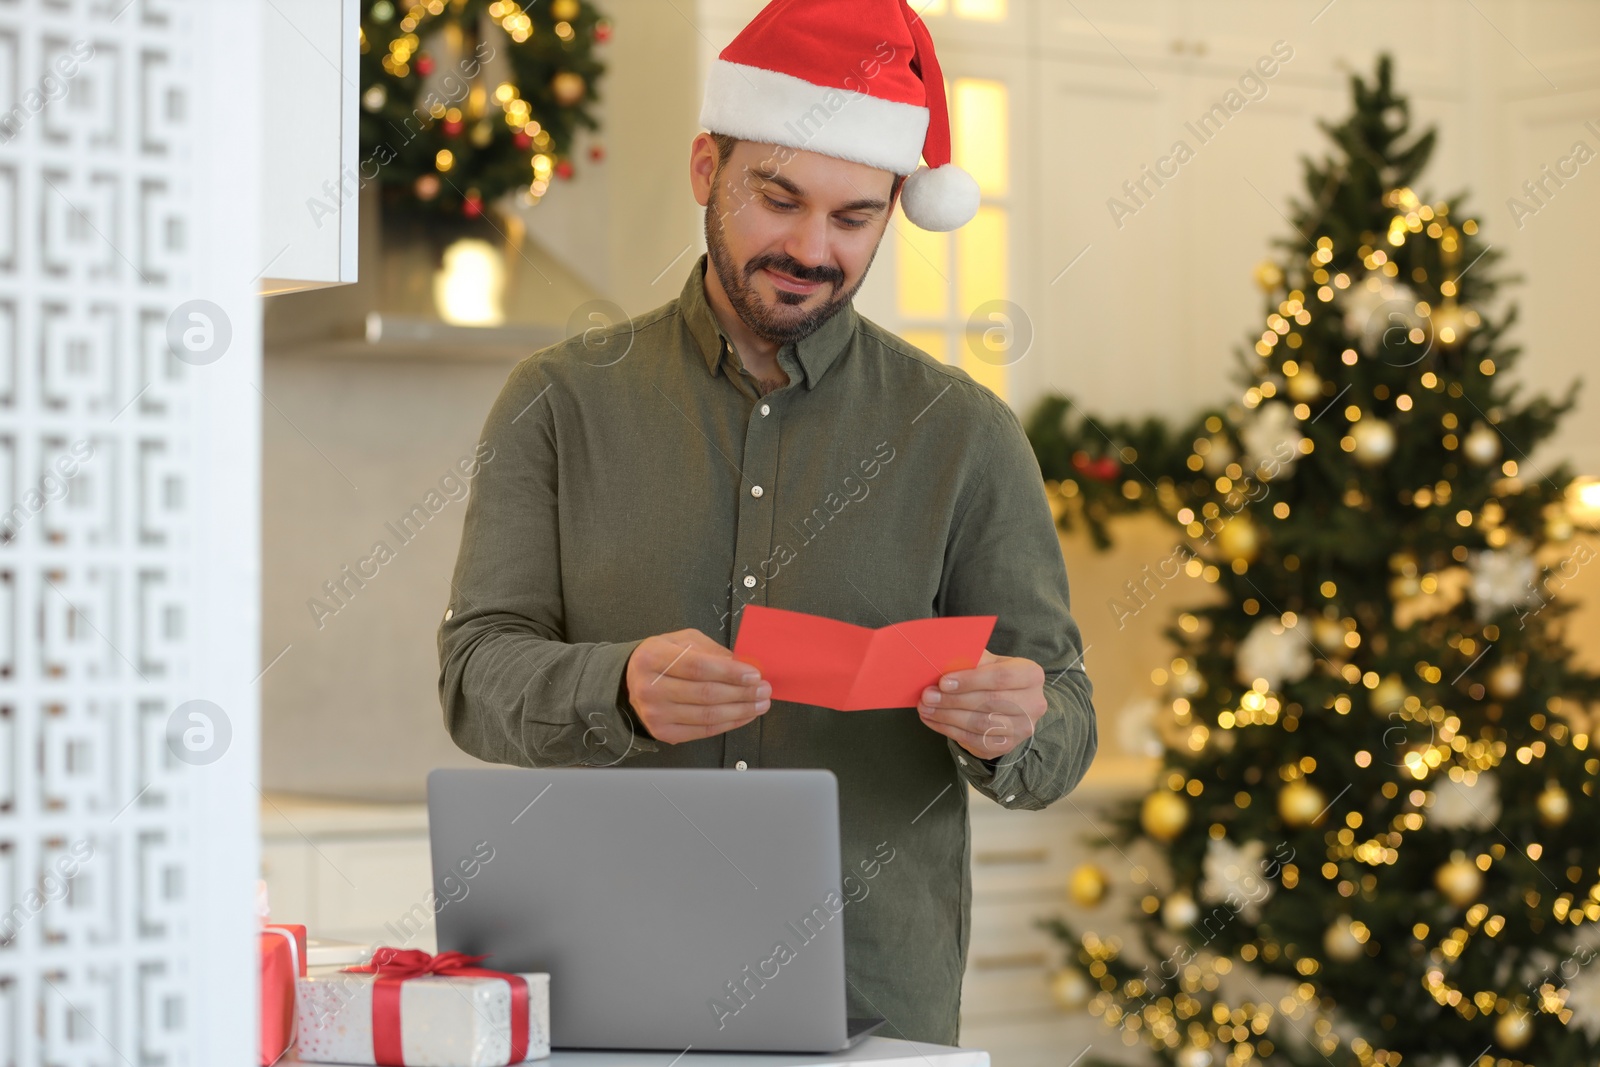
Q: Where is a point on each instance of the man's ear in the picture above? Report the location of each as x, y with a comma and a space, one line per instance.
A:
702, 167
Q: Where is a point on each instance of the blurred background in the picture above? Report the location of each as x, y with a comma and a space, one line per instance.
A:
1127, 275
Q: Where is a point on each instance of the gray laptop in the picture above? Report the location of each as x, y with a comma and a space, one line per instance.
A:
672, 908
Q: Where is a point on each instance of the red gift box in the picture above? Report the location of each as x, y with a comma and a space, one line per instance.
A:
283, 961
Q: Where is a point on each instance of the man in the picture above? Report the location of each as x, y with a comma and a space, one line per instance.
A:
757, 441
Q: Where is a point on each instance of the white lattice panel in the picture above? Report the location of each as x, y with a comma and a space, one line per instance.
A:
127, 531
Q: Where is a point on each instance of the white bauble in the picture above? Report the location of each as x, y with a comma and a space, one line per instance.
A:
1375, 441
1341, 943
1276, 653
1458, 806
1179, 911
1233, 876
1501, 579
1271, 439
1481, 445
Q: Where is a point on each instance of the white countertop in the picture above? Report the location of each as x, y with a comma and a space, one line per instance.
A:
879, 1051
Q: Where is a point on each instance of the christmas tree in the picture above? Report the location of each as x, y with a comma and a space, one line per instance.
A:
1377, 799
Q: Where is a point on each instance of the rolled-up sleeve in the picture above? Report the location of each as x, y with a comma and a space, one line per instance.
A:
511, 688
1004, 559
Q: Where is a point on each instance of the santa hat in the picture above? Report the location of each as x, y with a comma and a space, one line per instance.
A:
854, 79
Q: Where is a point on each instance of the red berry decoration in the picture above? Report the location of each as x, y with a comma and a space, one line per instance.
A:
597, 153
602, 32
452, 127
472, 206
424, 64
1100, 469
564, 169
521, 140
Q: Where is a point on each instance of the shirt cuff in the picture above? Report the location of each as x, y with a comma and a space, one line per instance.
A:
996, 779
612, 729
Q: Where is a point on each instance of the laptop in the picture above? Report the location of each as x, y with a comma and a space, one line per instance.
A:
672, 908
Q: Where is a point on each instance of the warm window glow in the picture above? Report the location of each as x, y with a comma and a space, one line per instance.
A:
978, 118
923, 277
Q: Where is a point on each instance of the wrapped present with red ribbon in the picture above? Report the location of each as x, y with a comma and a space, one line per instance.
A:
409, 1007
282, 949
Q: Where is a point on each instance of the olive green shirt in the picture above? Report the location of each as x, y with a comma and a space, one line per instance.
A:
640, 484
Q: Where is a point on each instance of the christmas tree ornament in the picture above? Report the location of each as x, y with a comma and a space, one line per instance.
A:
1164, 815
1300, 803
1389, 697
1305, 386
1558, 525
1514, 1029
1269, 276
1554, 805
1501, 579
426, 187
1327, 634
1382, 314
1195, 1056
565, 10
1071, 989
1451, 324
1459, 880
1232, 875
787, 63
1274, 653
1340, 941
1481, 445
1505, 680
1239, 538
1375, 441
1136, 728
1271, 439
374, 98
1466, 806
1220, 453
568, 87
1179, 912
1087, 885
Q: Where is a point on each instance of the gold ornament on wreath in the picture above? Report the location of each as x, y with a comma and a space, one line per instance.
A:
1459, 880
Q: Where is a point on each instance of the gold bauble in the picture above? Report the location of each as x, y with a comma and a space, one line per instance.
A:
1390, 696
1238, 538
1305, 386
1481, 445
1087, 886
1328, 635
1340, 941
1459, 880
1450, 324
1164, 815
1375, 441
1268, 275
1514, 1029
1070, 988
1554, 805
1505, 680
1300, 802
568, 87
1179, 912
563, 10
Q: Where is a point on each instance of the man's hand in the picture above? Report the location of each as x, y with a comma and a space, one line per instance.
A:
988, 710
686, 686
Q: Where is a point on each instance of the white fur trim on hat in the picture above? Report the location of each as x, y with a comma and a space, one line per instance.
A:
942, 199
753, 104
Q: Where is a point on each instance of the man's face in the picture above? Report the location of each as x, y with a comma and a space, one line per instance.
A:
791, 234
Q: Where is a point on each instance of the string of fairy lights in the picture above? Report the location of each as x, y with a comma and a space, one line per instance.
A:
1192, 1022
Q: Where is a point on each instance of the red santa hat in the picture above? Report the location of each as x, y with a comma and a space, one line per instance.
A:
854, 79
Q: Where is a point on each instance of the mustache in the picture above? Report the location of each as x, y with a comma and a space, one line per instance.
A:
796, 270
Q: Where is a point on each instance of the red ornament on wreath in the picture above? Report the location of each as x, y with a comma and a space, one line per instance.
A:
1100, 469
424, 64
564, 169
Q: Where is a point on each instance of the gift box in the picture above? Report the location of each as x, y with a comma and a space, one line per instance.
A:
410, 1008
282, 949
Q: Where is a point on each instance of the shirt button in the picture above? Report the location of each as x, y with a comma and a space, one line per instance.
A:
756, 490
1010, 798
741, 766
961, 761
749, 581
448, 612
766, 409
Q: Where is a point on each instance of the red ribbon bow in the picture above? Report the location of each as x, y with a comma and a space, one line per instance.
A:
393, 966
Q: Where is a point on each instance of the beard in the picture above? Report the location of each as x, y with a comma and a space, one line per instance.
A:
780, 323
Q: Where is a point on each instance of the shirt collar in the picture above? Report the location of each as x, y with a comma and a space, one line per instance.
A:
816, 352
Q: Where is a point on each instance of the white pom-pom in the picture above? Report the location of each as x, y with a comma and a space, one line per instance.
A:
942, 199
